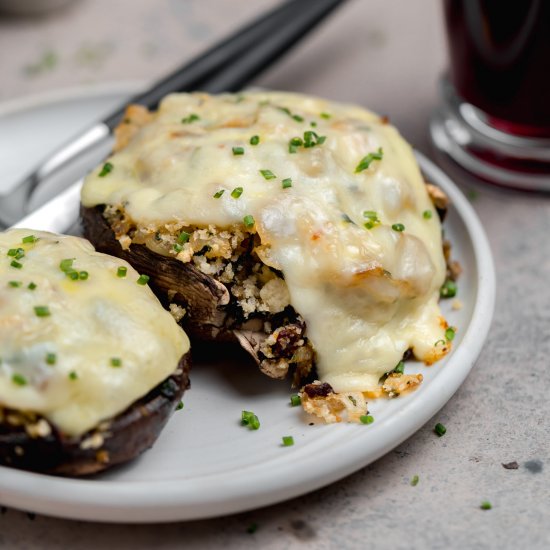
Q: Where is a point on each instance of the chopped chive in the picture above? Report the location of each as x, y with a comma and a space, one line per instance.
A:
83, 275
237, 192
16, 264
294, 143
51, 358
219, 193
238, 150
450, 334
313, 124
440, 430
268, 174
326, 116
311, 139
398, 227
249, 419
295, 400
366, 419
29, 239
116, 362
372, 217
73, 375
448, 290
179, 406
31, 286
254, 140
66, 265
346, 218
178, 248
353, 400
143, 280
249, 221
12, 252
286, 110
16, 253
427, 214
288, 441
367, 160
19, 379
15, 284
400, 368
485, 505
183, 237
121, 271
73, 275
414, 481
442, 342
191, 118
42, 311
286, 183
107, 169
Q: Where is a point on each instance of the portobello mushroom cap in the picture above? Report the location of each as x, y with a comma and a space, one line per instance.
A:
114, 441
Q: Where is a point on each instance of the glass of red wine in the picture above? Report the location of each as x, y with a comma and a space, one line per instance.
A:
494, 117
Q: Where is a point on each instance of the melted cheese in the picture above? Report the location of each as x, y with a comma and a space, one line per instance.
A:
367, 295
91, 321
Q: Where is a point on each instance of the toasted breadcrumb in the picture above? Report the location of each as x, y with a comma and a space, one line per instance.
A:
395, 384
457, 304
177, 312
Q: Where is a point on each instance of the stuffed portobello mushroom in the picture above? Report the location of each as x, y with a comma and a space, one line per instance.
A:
300, 228
91, 365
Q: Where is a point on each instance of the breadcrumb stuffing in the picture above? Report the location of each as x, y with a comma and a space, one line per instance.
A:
178, 312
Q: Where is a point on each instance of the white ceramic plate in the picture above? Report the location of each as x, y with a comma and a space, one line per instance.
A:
205, 463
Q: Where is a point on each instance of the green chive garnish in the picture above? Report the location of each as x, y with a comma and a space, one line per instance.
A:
42, 311
311, 139
427, 214
73, 275
294, 143
143, 280
51, 358
191, 118
219, 193
440, 430
254, 140
179, 406
16, 264
286, 183
295, 400
83, 275
366, 419
450, 334
107, 169
249, 221
238, 150
442, 342
326, 116
237, 192
19, 379
178, 248
31, 286
414, 481
116, 362
485, 505
400, 368
368, 159
73, 375
183, 237
15, 284
372, 218
66, 265
249, 419
286, 110
12, 252
313, 124
121, 271
448, 290
29, 239
268, 174
398, 227
288, 441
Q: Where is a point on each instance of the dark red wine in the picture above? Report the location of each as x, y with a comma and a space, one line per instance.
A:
500, 60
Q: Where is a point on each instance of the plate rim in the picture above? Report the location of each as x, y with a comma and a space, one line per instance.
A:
119, 501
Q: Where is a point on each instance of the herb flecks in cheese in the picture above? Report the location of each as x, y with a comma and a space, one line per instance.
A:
367, 291
60, 339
